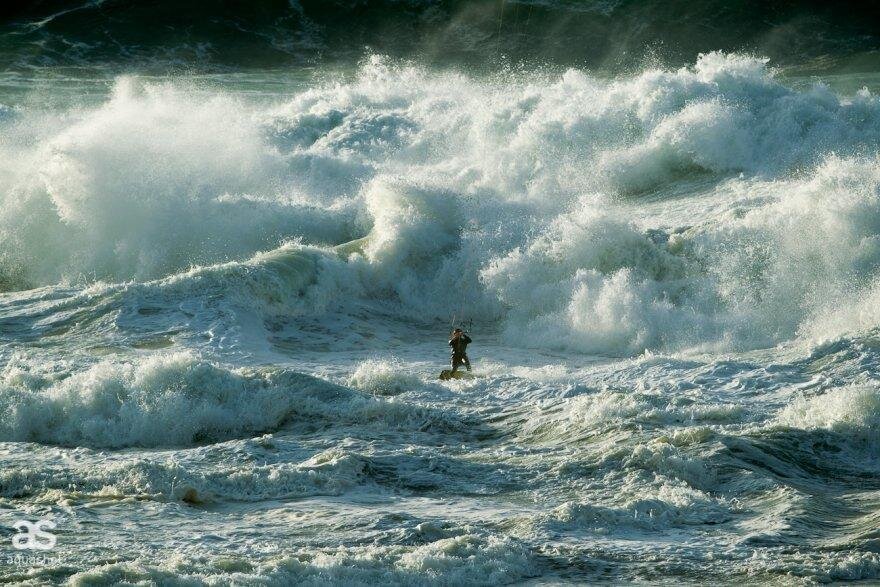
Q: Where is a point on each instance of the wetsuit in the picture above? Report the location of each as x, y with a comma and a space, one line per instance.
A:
459, 352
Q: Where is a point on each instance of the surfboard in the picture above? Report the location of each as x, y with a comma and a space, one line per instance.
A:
447, 374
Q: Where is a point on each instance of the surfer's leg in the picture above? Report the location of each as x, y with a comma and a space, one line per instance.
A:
467, 362
455, 363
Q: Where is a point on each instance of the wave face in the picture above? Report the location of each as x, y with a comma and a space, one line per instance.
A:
225, 293
595, 32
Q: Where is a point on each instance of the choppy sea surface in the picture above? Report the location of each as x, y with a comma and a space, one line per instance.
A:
226, 295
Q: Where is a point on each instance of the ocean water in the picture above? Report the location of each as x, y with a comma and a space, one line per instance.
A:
230, 262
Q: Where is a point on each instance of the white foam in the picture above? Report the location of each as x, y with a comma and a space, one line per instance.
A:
163, 400
143, 403
463, 559
502, 196
854, 411
384, 377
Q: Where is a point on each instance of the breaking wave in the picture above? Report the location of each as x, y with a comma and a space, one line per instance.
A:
178, 399
548, 203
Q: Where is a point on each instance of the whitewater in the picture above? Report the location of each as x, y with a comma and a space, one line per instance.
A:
226, 299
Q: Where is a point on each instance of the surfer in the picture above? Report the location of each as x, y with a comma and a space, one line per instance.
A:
459, 342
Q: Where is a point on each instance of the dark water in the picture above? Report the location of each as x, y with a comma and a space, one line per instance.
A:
610, 34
